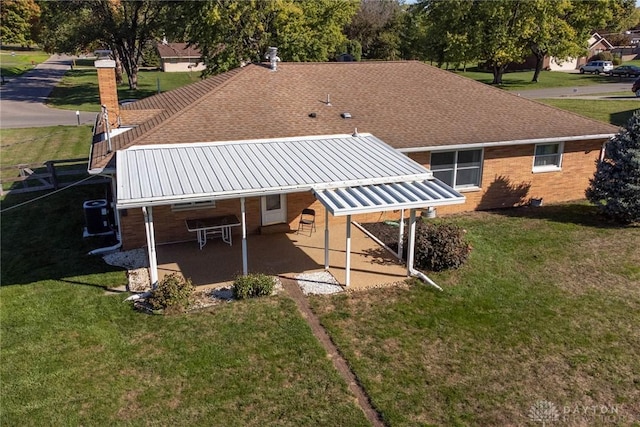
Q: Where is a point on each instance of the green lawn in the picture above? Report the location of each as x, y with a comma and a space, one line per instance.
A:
73, 354
32, 145
547, 308
79, 87
614, 112
521, 80
15, 61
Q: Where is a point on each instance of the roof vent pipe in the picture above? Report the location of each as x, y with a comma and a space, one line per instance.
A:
272, 56
328, 100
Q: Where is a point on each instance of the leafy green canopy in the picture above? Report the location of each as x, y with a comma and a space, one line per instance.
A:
19, 20
230, 32
615, 187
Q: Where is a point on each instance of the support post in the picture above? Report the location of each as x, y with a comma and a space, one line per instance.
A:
412, 241
347, 270
151, 245
326, 238
245, 266
401, 235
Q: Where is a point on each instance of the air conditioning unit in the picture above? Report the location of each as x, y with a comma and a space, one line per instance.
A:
96, 215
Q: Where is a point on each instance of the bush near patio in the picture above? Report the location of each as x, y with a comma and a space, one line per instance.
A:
252, 285
439, 246
172, 294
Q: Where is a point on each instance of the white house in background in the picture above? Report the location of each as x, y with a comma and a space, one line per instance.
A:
597, 44
179, 57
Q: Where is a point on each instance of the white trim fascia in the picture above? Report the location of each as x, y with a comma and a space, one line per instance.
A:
502, 143
247, 141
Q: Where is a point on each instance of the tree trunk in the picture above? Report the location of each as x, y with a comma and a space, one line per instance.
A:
498, 71
118, 69
539, 54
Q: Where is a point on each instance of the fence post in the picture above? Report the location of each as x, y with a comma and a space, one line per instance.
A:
51, 169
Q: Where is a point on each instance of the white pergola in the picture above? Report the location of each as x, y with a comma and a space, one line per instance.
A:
348, 174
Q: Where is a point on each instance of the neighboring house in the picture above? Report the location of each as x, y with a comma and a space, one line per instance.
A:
422, 137
179, 57
596, 44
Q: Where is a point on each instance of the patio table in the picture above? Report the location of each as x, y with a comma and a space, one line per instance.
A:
213, 226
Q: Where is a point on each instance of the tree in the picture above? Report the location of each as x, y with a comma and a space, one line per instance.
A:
230, 32
125, 27
377, 27
615, 186
19, 20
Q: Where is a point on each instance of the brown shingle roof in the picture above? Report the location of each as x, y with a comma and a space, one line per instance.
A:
178, 50
406, 104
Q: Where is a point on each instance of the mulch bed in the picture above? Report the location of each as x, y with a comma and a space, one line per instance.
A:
386, 233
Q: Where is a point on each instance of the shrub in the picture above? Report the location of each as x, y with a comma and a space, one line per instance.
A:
602, 56
439, 246
173, 292
614, 186
252, 285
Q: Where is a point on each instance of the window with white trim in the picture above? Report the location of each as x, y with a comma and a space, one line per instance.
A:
459, 169
193, 205
547, 157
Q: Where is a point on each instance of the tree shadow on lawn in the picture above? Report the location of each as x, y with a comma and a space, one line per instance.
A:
42, 240
579, 213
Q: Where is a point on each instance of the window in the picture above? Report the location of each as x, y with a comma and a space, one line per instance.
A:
459, 169
547, 157
193, 205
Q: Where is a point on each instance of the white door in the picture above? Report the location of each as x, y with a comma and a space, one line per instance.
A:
274, 209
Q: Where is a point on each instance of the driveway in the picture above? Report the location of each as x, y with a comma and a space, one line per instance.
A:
22, 98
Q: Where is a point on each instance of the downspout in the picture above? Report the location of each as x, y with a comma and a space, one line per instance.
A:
410, 256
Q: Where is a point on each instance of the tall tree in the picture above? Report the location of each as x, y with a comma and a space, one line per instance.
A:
615, 186
377, 27
18, 22
229, 32
125, 27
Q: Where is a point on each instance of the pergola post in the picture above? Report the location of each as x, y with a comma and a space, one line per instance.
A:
412, 241
347, 270
147, 211
401, 235
326, 238
245, 267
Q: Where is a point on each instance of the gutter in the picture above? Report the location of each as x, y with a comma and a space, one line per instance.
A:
502, 143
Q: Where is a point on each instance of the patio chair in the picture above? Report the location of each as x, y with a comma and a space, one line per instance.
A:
307, 220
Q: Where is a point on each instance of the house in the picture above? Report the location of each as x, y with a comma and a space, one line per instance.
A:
175, 57
596, 45
352, 140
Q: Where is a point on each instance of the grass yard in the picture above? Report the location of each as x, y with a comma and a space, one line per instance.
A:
521, 80
547, 308
614, 112
37, 145
73, 354
15, 61
79, 87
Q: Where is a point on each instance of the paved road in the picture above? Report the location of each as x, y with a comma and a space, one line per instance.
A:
578, 91
22, 98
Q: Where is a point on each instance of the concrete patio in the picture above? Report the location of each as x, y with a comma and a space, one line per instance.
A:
283, 254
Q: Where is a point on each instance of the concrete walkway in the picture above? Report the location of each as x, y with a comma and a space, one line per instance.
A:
22, 98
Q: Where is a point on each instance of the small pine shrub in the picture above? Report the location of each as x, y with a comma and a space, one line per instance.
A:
252, 285
173, 292
439, 246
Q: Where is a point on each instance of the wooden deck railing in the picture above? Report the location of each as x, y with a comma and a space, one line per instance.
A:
50, 175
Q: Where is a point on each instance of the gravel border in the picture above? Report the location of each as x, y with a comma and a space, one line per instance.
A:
318, 283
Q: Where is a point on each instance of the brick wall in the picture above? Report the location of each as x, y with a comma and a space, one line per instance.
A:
508, 180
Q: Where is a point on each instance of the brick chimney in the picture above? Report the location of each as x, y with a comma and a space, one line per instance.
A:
108, 89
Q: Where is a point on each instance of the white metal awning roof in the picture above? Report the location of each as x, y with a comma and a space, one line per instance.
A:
387, 197
152, 175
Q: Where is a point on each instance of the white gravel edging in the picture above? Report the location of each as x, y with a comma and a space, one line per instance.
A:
320, 283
